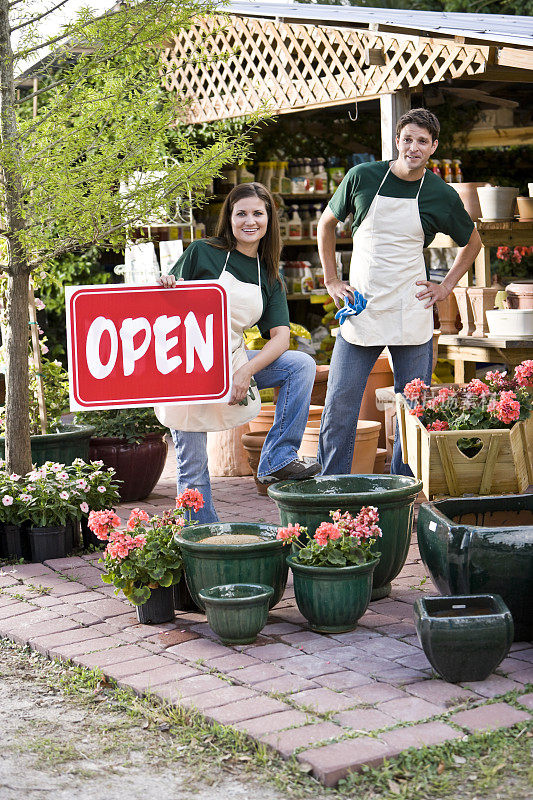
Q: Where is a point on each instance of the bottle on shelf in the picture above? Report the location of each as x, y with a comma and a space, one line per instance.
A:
446, 170
295, 224
320, 176
434, 166
312, 225
457, 171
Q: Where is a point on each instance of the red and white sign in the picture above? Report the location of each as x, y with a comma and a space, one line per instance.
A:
145, 345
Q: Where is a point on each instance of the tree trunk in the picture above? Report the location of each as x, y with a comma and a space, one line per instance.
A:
17, 434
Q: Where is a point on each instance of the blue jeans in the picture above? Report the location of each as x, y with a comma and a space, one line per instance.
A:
350, 367
294, 373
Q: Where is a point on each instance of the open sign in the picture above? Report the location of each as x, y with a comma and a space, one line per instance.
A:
145, 345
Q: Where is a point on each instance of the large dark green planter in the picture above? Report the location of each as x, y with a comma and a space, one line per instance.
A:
482, 545
237, 611
137, 465
464, 637
332, 599
208, 565
159, 608
309, 503
65, 446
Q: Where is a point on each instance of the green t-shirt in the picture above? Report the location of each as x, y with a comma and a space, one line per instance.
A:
202, 262
440, 207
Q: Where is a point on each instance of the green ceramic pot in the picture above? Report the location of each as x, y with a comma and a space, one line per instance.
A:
482, 545
71, 442
332, 599
464, 637
207, 565
237, 611
309, 503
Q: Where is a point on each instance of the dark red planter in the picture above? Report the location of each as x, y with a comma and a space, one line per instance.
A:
139, 466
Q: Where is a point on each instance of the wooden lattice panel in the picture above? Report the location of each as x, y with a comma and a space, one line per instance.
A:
292, 67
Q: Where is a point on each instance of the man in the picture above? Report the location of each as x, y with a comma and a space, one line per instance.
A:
398, 208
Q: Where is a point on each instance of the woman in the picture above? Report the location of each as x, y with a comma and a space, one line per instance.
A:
244, 256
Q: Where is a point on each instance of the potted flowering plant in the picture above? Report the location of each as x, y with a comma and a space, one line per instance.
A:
333, 570
479, 433
143, 561
131, 441
100, 489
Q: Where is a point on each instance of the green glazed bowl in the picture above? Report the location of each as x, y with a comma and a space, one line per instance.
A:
208, 565
309, 503
237, 611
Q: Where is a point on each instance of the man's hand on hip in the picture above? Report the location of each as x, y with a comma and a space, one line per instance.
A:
338, 290
433, 293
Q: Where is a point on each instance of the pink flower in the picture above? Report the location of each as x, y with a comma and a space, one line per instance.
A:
26, 498
414, 389
190, 498
102, 523
100, 489
137, 515
506, 409
497, 378
62, 476
64, 495
82, 484
327, 531
478, 387
84, 507
14, 476
7, 500
417, 411
290, 533
438, 425
524, 373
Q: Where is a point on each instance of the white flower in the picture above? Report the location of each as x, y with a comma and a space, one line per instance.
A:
56, 467
100, 489
84, 507
14, 476
30, 487
7, 500
82, 484
64, 495
99, 463
62, 476
39, 305
26, 498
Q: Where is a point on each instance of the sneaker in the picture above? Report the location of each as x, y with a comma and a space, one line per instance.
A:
295, 471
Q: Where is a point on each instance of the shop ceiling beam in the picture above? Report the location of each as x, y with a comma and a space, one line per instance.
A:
289, 66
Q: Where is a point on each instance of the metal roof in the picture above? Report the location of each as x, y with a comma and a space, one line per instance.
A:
489, 28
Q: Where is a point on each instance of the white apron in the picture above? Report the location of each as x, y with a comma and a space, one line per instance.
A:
246, 307
387, 260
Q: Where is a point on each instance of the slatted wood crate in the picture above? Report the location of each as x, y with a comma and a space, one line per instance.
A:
502, 466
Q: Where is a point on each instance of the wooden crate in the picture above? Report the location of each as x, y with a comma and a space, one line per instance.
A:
502, 466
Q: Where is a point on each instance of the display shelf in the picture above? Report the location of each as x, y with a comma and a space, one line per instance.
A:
307, 242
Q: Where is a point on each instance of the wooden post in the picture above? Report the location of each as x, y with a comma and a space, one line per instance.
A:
392, 106
482, 267
36, 357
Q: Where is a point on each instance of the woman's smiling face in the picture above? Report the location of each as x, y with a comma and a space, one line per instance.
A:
249, 223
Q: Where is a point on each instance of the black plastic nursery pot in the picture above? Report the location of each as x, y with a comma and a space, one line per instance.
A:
14, 541
47, 543
182, 597
88, 537
159, 608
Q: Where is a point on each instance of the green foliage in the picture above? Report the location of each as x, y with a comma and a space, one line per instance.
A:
131, 424
344, 552
478, 6
55, 393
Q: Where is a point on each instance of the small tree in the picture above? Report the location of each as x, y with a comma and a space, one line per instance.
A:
102, 117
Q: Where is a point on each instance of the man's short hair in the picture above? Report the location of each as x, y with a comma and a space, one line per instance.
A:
421, 117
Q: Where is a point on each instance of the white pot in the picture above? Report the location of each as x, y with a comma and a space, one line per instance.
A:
514, 323
530, 187
497, 202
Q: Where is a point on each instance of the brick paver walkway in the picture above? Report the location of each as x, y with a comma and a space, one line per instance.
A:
335, 702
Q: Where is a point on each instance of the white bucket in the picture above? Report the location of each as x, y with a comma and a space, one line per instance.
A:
514, 323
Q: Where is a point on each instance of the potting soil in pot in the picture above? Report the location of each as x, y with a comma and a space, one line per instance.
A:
232, 538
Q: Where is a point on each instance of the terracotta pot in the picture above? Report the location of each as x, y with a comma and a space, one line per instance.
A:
468, 194
465, 310
379, 463
525, 208
226, 456
253, 443
520, 294
320, 386
497, 202
139, 466
482, 300
380, 377
265, 419
366, 444
448, 311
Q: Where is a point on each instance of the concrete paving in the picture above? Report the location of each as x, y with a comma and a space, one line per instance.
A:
333, 702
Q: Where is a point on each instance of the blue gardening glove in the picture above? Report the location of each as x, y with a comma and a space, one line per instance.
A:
351, 309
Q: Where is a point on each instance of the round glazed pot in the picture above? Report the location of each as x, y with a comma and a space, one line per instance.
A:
237, 611
464, 637
139, 466
480, 545
332, 599
158, 608
309, 503
66, 445
208, 565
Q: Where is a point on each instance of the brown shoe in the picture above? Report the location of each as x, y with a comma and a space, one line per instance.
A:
295, 471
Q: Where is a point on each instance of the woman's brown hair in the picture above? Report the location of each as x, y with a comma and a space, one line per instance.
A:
270, 245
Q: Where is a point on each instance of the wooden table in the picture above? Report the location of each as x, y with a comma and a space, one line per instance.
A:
465, 351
